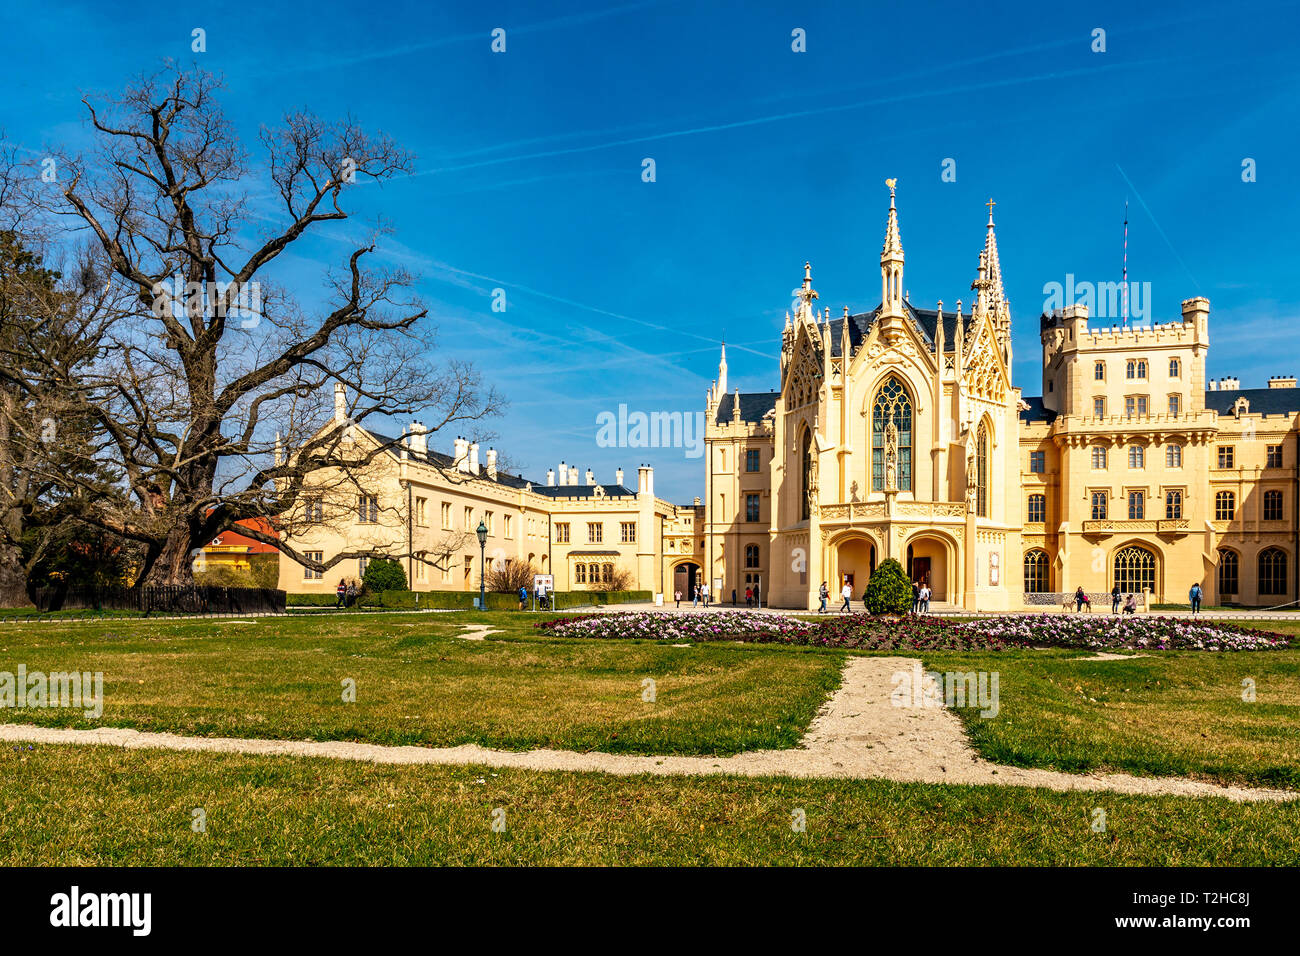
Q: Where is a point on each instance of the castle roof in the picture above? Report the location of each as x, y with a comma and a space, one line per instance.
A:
925, 321
1263, 401
1036, 412
753, 406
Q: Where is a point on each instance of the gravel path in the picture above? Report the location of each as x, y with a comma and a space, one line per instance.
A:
859, 734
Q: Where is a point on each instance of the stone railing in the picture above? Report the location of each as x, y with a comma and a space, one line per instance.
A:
868, 510
1124, 525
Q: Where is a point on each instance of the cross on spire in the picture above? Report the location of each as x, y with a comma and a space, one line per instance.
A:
990, 204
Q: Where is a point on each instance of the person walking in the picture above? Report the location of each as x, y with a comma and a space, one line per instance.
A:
523, 597
351, 597
758, 598
677, 596
1194, 595
916, 596
749, 598
1079, 598
704, 594
695, 598
846, 592
1115, 597
925, 599
823, 593
341, 592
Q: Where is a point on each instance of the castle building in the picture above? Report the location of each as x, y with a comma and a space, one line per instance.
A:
898, 433
405, 499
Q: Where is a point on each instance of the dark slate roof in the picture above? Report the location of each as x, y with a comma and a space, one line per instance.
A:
753, 406
923, 320
583, 491
1263, 401
448, 462
1036, 412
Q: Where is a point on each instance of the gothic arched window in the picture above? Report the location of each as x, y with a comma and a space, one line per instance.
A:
1135, 569
1229, 569
1036, 576
982, 471
805, 475
1272, 572
892, 406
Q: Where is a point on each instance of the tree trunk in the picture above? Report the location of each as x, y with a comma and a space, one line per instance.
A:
172, 563
13, 580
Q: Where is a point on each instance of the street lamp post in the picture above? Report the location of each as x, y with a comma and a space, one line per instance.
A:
482, 562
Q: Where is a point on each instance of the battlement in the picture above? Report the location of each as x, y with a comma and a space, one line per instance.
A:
1191, 329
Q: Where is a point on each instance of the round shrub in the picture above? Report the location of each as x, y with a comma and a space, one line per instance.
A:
889, 591
384, 574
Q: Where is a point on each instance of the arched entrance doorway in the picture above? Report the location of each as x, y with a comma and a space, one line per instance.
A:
685, 577
1135, 570
855, 560
927, 561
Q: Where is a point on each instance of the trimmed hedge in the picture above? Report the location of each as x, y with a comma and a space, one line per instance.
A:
464, 600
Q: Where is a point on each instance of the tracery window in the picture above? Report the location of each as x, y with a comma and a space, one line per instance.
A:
892, 406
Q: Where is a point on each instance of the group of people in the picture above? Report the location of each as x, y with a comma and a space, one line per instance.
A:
699, 596
542, 594
921, 594
346, 593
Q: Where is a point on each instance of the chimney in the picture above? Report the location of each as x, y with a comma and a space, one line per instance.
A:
562, 477
1211, 386
1228, 383
573, 474
642, 473
591, 477
340, 402
418, 441
279, 451
1281, 381
550, 477
697, 501
462, 454
618, 476
649, 481
492, 463
473, 458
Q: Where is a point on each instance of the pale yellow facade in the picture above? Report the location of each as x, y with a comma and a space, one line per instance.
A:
898, 433
424, 508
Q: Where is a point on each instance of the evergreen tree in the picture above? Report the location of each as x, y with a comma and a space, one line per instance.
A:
889, 591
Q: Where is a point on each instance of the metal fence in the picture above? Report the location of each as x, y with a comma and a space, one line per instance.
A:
178, 599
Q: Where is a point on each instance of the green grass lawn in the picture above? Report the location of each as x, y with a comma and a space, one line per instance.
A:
418, 684
74, 806
1172, 713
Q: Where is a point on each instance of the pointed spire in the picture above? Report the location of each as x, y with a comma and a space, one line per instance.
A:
891, 261
722, 371
805, 295
893, 241
994, 274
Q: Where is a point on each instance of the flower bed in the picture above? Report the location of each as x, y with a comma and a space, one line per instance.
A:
863, 632
1137, 633
652, 626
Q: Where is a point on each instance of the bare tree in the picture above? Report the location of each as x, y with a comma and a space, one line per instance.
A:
211, 364
509, 575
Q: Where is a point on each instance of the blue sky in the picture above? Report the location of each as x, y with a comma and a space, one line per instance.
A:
618, 291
